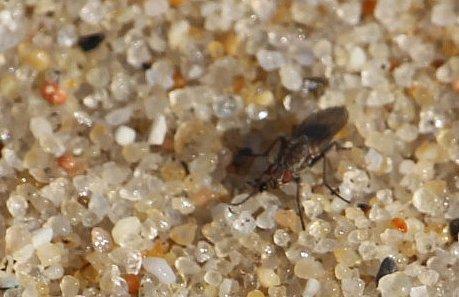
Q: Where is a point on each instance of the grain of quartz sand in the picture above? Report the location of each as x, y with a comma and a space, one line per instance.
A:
119, 122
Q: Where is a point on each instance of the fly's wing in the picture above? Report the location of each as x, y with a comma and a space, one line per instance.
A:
321, 126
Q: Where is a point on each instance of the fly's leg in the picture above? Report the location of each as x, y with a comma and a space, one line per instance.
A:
298, 202
325, 182
333, 144
243, 200
283, 144
322, 155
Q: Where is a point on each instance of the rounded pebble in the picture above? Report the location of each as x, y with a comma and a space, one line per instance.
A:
124, 135
160, 269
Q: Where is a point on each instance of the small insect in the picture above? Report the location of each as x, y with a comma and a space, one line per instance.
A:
308, 144
89, 42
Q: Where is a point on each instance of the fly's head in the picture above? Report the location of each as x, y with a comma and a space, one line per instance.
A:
277, 175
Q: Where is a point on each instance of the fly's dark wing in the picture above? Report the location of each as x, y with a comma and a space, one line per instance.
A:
321, 126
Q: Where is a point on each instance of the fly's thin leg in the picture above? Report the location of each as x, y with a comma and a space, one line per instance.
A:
283, 142
298, 202
333, 144
325, 182
322, 155
244, 200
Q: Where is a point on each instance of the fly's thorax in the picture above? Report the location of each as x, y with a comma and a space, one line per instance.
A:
295, 155
272, 176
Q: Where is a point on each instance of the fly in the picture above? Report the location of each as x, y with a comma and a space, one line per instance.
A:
308, 144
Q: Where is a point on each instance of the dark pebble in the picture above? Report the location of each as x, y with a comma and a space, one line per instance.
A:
363, 206
91, 41
146, 65
185, 166
454, 228
388, 266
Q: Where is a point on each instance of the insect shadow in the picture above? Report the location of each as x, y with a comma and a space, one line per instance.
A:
292, 155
